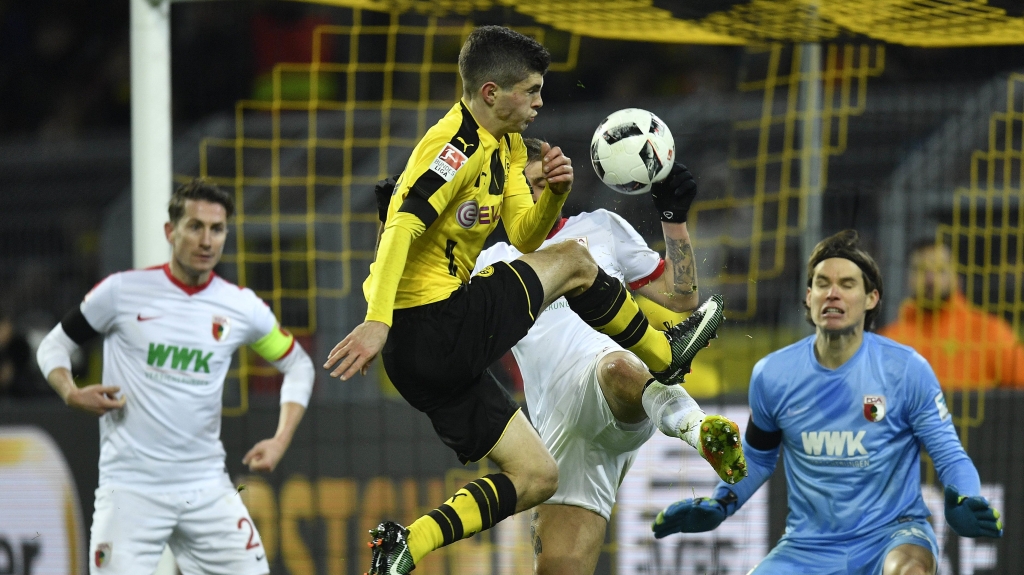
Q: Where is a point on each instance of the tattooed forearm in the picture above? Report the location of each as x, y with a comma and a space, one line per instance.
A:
684, 270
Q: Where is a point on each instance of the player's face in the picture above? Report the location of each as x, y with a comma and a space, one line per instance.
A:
931, 276
517, 106
535, 176
837, 298
197, 240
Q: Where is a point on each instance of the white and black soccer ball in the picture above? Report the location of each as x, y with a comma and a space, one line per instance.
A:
631, 150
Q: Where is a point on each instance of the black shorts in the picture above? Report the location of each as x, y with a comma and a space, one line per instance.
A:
437, 355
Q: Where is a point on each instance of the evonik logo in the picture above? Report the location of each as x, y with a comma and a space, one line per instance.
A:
833, 442
180, 357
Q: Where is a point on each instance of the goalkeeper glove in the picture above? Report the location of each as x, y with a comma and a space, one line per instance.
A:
689, 516
971, 516
383, 192
673, 195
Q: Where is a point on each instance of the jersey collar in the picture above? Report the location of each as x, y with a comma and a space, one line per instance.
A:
190, 290
486, 138
558, 227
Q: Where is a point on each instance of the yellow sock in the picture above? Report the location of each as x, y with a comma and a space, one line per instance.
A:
478, 506
653, 349
608, 307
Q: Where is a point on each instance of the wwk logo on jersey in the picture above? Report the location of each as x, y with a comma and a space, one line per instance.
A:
449, 161
874, 407
221, 327
180, 357
833, 443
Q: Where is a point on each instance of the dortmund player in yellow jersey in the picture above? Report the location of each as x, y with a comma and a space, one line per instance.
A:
438, 333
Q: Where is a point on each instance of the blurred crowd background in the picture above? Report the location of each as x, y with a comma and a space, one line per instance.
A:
65, 146
920, 149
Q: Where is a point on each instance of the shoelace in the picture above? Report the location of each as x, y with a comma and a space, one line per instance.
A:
687, 324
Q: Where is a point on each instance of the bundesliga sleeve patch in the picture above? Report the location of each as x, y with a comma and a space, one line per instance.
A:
448, 162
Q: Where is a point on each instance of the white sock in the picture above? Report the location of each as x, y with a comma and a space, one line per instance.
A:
690, 428
674, 412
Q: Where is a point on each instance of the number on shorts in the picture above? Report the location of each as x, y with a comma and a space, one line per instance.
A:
449, 251
252, 533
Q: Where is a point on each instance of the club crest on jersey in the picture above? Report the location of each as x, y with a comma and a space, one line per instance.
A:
486, 272
466, 214
874, 407
221, 327
101, 556
449, 161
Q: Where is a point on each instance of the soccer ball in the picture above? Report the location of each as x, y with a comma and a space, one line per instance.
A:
631, 150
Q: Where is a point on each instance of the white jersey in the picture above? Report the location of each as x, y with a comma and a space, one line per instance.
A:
560, 344
168, 347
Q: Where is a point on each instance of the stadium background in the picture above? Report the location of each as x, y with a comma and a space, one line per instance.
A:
900, 119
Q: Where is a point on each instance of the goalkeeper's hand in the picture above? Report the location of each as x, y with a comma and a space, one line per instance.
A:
689, 516
971, 516
383, 191
673, 195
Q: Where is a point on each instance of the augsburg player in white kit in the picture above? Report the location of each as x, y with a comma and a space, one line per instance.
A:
168, 336
595, 403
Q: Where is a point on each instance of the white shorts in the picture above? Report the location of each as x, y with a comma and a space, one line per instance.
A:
209, 530
593, 449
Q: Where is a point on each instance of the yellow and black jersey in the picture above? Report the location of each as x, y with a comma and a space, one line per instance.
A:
456, 185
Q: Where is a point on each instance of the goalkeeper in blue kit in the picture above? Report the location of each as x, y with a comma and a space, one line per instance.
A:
851, 410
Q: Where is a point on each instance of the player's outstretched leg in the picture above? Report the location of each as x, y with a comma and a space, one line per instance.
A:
633, 395
529, 476
478, 506
606, 305
715, 437
720, 445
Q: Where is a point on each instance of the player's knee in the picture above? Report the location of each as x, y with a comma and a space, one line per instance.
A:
576, 258
622, 372
909, 560
912, 567
542, 479
565, 560
547, 478
537, 481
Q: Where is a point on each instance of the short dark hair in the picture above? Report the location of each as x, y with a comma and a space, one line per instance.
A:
198, 189
497, 54
533, 146
845, 245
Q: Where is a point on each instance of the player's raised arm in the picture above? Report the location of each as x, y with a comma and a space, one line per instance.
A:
557, 169
527, 223
676, 289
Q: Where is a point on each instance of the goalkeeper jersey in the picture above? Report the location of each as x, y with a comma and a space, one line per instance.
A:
168, 346
853, 435
560, 344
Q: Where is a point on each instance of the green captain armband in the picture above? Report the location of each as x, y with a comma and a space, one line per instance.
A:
274, 345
